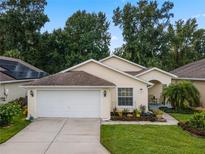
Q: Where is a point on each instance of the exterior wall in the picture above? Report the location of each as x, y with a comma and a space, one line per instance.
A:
32, 103
140, 90
200, 85
14, 91
106, 105
156, 91
104, 108
161, 78
121, 65
158, 76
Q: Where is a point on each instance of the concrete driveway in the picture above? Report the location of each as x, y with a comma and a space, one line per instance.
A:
57, 136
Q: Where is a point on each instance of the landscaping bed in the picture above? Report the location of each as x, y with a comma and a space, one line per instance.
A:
12, 118
196, 125
194, 131
155, 116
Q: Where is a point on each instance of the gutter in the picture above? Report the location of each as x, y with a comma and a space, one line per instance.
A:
16, 81
54, 86
194, 79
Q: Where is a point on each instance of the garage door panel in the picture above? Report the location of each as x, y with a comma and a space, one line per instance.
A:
68, 103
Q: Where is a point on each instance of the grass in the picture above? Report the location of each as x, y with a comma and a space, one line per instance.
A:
7, 132
182, 116
149, 139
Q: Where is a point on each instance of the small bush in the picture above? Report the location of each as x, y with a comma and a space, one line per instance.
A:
158, 112
125, 112
142, 108
137, 113
198, 121
8, 111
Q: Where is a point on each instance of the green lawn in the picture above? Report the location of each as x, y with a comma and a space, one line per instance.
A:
182, 116
150, 139
7, 132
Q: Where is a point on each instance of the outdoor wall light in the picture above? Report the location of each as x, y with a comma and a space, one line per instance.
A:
31, 93
141, 90
105, 93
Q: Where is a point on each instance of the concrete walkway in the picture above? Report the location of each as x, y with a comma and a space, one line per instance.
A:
57, 136
170, 121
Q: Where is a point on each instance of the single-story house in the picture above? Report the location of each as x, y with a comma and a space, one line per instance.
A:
13, 74
194, 72
92, 89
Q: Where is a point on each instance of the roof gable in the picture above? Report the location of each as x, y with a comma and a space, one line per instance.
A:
114, 61
107, 67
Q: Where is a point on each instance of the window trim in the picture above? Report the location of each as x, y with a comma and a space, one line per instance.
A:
125, 106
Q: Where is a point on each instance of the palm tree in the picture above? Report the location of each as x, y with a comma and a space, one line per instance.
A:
181, 94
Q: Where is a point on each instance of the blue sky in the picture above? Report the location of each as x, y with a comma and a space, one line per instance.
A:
59, 10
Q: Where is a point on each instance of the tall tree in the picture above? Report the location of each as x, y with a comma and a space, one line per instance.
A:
51, 52
88, 37
21, 21
186, 41
144, 30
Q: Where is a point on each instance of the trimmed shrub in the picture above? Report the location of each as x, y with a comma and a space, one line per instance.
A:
8, 111
198, 121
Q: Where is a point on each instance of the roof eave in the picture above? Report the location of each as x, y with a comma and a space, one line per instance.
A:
56, 86
157, 69
196, 79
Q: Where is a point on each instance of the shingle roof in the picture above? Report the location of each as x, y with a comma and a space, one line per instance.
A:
136, 72
71, 78
192, 70
5, 77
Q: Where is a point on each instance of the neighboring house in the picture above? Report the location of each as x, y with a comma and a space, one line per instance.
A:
194, 72
13, 74
93, 89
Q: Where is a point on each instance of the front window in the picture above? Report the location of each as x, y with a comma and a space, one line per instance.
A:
125, 96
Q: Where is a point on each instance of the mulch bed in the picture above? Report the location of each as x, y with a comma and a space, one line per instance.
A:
193, 131
142, 118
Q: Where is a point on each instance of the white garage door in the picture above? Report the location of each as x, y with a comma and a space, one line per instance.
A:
77, 103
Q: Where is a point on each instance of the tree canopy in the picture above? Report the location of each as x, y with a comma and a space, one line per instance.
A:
21, 22
151, 39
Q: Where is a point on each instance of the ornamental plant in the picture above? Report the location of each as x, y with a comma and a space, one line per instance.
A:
198, 121
182, 94
8, 111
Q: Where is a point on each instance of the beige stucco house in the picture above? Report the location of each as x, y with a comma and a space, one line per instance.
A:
93, 89
194, 72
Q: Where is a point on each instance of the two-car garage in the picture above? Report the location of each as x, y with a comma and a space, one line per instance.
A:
68, 103
75, 94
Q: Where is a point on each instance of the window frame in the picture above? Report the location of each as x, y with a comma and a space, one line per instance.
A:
125, 106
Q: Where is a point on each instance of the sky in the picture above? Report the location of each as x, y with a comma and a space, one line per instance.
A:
58, 12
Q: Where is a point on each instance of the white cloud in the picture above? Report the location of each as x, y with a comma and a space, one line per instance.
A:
198, 16
114, 38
